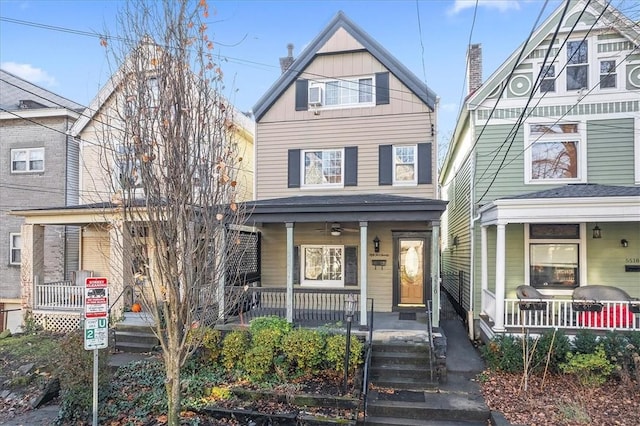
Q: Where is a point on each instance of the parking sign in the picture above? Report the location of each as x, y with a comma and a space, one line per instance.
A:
96, 313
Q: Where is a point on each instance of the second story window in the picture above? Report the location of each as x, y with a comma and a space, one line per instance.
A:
577, 65
27, 160
548, 79
553, 152
15, 249
126, 169
322, 168
404, 168
608, 74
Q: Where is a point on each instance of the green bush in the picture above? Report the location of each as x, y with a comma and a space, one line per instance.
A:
304, 348
504, 353
75, 372
558, 346
268, 337
585, 342
209, 342
258, 363
335, 352
591, 369
234, 346
270, 322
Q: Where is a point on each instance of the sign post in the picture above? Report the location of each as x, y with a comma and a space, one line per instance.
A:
96, 326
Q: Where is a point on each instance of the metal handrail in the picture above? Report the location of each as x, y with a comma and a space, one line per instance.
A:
430, 333
367, 362
126, 287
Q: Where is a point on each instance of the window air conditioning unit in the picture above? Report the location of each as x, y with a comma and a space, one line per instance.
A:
315, 96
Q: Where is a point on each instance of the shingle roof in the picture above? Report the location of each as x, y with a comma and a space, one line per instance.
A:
308, 55
580, 190
14, 89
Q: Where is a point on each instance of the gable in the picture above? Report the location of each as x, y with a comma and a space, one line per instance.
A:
340, 41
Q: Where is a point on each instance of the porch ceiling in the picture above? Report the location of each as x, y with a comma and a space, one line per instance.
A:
568, 204
353, 208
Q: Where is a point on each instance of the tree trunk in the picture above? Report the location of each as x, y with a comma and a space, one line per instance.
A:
174, 398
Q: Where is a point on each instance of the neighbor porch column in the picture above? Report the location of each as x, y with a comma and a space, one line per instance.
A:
221, 292
363, 273
500, 277
484, 265
289, 226
435, 273
32, 266
119, 250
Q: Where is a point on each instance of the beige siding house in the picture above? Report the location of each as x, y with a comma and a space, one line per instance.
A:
346, 186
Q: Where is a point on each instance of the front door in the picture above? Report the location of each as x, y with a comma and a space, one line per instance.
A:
412, 270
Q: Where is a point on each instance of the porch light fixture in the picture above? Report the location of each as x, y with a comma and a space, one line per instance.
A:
597, 232
376, 244
455, 241
335, 232
349, 311
624, 243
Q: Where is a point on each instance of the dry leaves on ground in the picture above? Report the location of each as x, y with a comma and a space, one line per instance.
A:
561, 400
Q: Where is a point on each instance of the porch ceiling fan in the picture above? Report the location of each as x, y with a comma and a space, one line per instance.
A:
336, 230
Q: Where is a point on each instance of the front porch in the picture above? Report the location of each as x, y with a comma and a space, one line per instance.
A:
558, 313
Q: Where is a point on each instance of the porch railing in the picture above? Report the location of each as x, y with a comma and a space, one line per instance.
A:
489, 303
310, 306
572, 314
60, 295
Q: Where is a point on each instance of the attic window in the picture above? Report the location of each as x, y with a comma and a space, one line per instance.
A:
29, 104
342, 92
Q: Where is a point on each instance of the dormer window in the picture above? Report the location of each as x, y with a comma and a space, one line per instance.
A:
577, 65
548, 82
608, 74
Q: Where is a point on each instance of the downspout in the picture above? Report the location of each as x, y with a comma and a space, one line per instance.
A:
472, 230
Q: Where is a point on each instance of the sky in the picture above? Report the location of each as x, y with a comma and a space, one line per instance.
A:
56, 43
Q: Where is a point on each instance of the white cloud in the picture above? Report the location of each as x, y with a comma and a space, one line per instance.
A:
501, 5
29, 73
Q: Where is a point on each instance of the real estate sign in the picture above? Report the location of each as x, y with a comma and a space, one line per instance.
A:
96, 313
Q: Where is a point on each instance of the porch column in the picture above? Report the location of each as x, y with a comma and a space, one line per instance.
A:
289, 226
484, 263
32, 266
435, 273
500, 277
222, 281
119, 253
363, 273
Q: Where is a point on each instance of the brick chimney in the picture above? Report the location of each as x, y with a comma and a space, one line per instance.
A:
286, 62
474, 68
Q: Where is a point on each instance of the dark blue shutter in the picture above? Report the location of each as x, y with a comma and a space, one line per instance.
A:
294, 168
424, 163
351, 166
382, 88
302, 95
385, 165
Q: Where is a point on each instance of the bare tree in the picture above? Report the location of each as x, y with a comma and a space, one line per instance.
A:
168, 144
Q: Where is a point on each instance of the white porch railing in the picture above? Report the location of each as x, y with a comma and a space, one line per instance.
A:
489, 304
61, 295
572, 314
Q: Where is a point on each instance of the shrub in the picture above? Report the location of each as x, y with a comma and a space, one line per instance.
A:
335, 352
267, 337
304, 349
553, 348
585, 342
504, 353
270, 322
234, 347
258, 363
591, 369
75, 372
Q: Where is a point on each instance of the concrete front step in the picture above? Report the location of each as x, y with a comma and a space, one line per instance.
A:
423, 406
130, 338
388, 421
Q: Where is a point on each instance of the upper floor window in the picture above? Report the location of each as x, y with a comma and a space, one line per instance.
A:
343, 92
27, 160
577, 65
15, 249
553, 152
324, 167
548, 82
608, 74
405, 164
126, 169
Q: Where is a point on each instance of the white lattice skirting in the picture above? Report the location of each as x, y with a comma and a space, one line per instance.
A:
59, 322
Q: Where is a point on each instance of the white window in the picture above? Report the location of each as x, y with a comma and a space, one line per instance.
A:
554, 153
577, 65
608, 74
548, 79
322, 266
343, 92
15, 249
554, 256
405, 164
27, 160
323, 167
126, 171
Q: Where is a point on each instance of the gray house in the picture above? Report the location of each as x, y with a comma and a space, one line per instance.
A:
542, 179
39, 168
